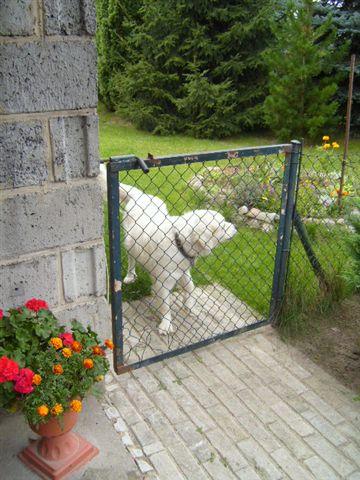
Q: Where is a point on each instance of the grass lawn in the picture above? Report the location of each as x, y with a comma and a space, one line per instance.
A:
244, 265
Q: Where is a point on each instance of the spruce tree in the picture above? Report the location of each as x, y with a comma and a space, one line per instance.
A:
200, 65
302, 75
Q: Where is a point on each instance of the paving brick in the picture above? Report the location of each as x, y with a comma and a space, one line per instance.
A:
325, 428
46, 76
144, 435
353, 453
266, 395
228, 422
22, 154
320, 470
224, 374
126, 409
166, 467
350, 432
262, 411
17, 18
259, 369
290, 439
202, 394
75, 147
354, 476
290, 466
34, 278
187, 463
196, 413
230, 400
292, 419
326, 410
69, 17
179, 369
227, 449
153, 448
168, 406
290, 380
147, 380
248, 473
139, 398
63, 216
84, 272
260, 460
330, 454
257, 430
163, 429
219, 469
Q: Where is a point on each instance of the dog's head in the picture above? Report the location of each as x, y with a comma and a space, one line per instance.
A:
209, 229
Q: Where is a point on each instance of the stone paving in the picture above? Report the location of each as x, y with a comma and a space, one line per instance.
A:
249, 407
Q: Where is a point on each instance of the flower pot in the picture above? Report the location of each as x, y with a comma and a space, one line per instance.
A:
59, 451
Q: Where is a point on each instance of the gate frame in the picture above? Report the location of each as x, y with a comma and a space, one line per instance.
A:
287, 213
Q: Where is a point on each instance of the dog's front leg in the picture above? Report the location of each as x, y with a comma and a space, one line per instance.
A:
186, 283
163, 297
131, 273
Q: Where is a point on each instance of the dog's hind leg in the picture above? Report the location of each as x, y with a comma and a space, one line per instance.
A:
131, 273
163, 298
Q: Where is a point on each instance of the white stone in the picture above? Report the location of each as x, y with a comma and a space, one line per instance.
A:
112, 387
341, 221
120, 425
144, 466
112, 413
136, 452
254, 213
108, 378
243, 210
267, 227
127, 441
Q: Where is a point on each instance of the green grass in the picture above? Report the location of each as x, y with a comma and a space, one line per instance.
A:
245, 264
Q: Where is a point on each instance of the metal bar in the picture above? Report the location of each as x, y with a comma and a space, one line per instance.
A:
131, 162
305, 240
347, 129
115, 264
189, 348
288, 197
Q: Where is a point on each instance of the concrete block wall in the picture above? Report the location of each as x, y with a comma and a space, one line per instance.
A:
51, 223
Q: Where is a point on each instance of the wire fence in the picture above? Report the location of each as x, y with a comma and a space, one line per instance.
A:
203, 240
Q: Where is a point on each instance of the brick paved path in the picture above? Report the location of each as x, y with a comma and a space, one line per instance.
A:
249, 407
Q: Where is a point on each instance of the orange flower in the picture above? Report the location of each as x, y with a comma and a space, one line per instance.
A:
109, 344
56, 342
99, 378
57, 409
36, 379
76, 346
76, 405
43, 410
66, 352
97, 350
88, 363
58, 369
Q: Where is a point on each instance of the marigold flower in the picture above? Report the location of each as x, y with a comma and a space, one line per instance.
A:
76, 405
58, 369
76, 346
109, 344
98, 350
57, 409
36, 379
66, 352
99, 378
43, 410
326, 138
36, 304
335, 145
326, 146
88, 363
56, 342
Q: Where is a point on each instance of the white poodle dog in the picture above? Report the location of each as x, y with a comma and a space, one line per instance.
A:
167, 246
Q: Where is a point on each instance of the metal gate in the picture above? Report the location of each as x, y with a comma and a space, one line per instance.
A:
181, 211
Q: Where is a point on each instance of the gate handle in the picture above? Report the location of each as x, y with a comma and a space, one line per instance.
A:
142, 165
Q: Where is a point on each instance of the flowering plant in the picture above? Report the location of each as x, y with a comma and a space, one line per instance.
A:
44, 369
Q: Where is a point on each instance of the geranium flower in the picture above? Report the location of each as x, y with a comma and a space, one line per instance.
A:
67, 339
56, 342
1, 314
88, 363
23, 382
57, 409
76, 406
43, 410
8, 369
76, 346
36, 304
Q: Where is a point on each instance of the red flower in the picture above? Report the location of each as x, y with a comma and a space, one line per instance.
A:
23, 382
8, 369
1, 314
36, 304
67, 339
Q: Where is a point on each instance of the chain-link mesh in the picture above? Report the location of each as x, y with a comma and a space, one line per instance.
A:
198, 249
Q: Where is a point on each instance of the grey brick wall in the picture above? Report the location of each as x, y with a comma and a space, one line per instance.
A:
51, 223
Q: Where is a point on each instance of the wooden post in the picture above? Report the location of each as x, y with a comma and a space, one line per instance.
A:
347, 129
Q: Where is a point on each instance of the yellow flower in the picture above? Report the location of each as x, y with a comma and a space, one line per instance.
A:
66, 352
88, 363
99, 378
58, 369
109, 344
335, 145
56, 342
76, 405
326, 146
43, 410
36, 379
326, 138
57, 409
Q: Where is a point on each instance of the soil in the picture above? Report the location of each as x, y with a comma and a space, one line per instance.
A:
333, 342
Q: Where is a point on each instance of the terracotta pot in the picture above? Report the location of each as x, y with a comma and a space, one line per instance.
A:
59, 451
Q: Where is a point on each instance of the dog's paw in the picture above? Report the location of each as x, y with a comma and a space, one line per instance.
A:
165, 327
130, 278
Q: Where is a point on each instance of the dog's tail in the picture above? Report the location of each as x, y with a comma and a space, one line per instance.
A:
125, 191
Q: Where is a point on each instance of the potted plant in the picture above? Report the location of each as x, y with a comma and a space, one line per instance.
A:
46, 371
